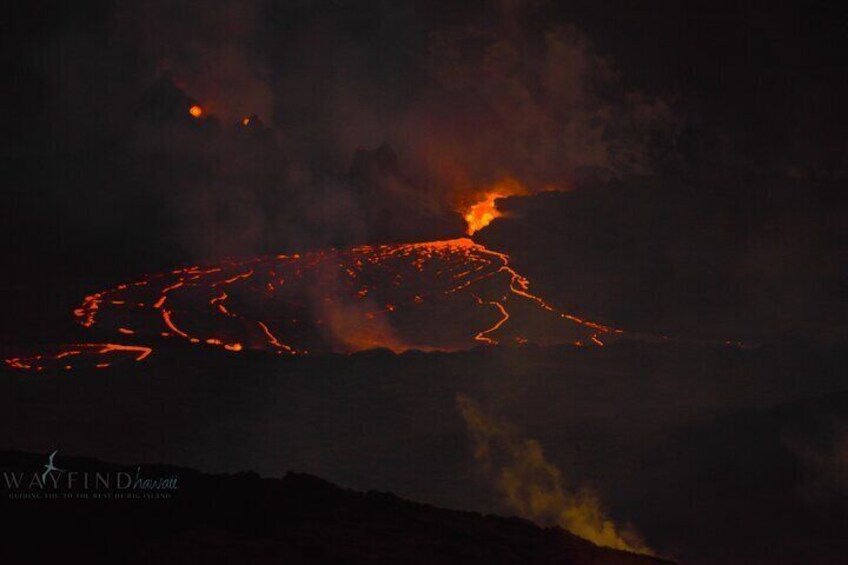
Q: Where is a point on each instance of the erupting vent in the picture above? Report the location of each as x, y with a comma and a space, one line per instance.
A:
443, 295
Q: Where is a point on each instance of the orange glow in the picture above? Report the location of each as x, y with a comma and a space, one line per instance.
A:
81, 355
272, 339
166, 317
481, 213
196, 111
141, 351
190, 303
504, 317
245, 121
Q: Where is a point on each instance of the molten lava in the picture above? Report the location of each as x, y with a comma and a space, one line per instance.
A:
195, 111
481, 213
440, 295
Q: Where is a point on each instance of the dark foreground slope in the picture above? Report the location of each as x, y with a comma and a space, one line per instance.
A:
243, 518
716, 455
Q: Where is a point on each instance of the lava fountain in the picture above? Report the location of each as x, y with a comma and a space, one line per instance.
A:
481, 213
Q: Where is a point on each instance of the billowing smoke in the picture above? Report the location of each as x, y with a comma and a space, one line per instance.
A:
348, 324
507, 96
541, 107
505, 101
210, 47
534, 487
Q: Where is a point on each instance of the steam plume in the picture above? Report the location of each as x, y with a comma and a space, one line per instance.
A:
533, 487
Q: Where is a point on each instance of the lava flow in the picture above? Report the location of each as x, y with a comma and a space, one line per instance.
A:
441, 295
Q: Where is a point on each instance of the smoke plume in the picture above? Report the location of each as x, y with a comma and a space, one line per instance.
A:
212, 48
538, 105
489, 99
533, 487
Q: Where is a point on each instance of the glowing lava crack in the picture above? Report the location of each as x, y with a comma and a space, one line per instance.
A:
442, 295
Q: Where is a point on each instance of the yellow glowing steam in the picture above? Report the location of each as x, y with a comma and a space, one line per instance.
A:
532, 486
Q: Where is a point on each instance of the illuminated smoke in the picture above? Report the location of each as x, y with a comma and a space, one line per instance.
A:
540, 106
211, 49
533, 487
522, 99
350, 323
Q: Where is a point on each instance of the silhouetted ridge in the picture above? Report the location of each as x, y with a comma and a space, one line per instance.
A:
296, 519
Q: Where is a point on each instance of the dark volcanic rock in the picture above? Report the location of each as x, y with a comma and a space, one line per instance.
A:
247, 519
398, 209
